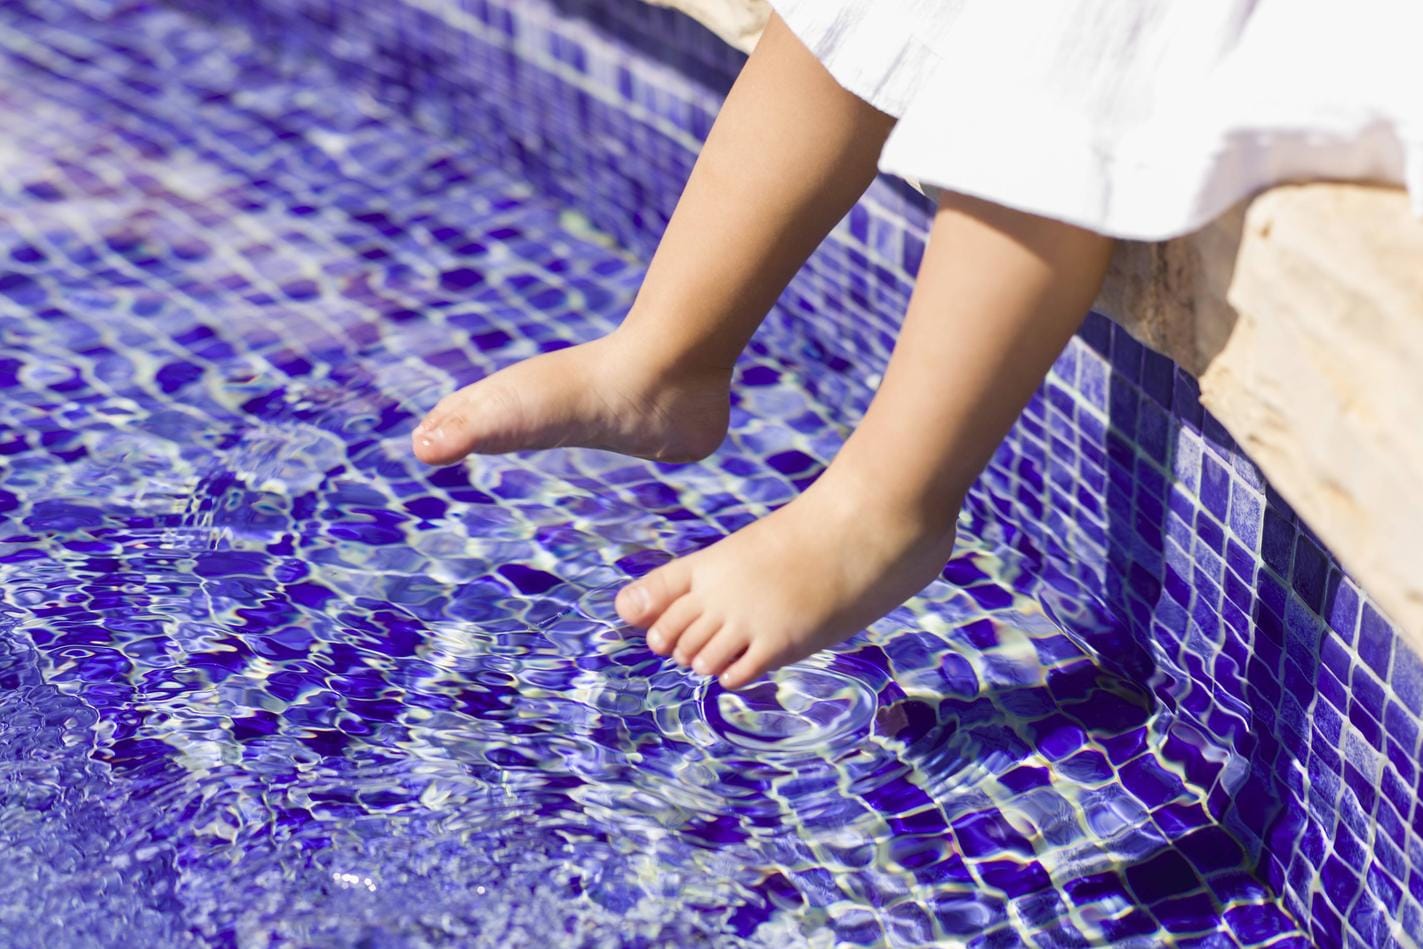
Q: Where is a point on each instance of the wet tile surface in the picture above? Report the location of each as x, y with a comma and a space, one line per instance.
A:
264, 679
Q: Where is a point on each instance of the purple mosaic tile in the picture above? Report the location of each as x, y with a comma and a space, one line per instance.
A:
1252, 707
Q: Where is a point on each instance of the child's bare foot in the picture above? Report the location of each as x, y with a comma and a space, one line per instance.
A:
602, 394
738, 235
998, 295
809, 575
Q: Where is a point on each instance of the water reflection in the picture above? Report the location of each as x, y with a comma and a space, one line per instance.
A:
264, 679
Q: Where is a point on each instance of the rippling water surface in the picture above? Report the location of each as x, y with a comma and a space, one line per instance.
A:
266, 680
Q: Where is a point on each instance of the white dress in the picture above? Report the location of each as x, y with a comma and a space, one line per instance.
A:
1134, 118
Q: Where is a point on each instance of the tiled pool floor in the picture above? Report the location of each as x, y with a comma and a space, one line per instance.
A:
264, 679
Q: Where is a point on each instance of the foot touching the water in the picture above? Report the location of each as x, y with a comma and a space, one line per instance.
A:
601, 394
997, 297
806, 577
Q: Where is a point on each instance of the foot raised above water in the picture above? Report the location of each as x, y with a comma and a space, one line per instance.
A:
597, 395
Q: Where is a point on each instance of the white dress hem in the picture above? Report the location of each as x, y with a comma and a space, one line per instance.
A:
1139, 121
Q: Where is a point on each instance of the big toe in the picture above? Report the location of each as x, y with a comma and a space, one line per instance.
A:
442, 436
485, 417
641, 602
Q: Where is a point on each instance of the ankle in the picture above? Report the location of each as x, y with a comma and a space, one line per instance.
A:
853, 494
644, 355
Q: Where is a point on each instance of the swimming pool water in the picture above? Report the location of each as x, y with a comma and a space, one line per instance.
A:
266, 680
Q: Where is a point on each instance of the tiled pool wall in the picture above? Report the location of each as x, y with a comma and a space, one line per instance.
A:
1257, 634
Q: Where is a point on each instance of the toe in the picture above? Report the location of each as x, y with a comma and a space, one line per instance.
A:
430, 421
420, 438
745, 670
724, 648
697, 636
667, 630
491, 416
436, 415
641, 602
444, 435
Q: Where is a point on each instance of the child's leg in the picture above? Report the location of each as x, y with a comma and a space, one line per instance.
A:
789, 154
999, 294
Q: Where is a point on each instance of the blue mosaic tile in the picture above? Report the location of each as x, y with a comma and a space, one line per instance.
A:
1274, 683
1375, 640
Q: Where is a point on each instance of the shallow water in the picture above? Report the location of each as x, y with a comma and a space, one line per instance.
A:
264, 679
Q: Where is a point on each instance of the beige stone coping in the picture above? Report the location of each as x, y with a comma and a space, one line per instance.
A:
739, 22
1301, 312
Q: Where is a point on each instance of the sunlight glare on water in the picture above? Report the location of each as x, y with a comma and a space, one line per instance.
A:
264, 679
